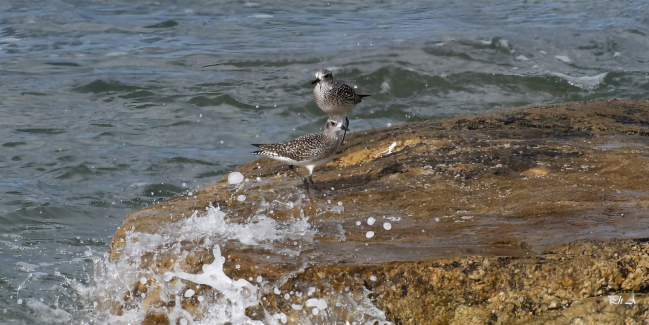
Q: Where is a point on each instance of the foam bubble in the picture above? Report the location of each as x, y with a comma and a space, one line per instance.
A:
387, 226
369, 234
370, 221
235, 178
315, 302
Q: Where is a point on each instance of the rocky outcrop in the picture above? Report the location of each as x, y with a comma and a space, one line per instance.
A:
527, 215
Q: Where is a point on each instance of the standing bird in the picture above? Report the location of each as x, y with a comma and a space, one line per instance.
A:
334, 97
310, 150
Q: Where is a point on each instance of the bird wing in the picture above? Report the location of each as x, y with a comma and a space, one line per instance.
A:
306, 147
347, 93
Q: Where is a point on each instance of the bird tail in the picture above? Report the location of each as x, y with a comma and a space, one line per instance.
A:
258, 152
361, 96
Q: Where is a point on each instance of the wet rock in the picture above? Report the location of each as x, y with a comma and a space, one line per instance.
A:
527, 215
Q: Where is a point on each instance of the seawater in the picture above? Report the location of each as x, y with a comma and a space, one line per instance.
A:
107, 106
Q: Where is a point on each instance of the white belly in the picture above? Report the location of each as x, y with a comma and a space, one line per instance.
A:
342, 109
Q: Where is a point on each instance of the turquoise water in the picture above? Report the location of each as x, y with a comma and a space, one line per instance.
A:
107, 106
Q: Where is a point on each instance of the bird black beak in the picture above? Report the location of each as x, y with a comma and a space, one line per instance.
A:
315, 81
344, 128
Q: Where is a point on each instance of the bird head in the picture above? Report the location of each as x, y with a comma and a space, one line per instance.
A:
322, 75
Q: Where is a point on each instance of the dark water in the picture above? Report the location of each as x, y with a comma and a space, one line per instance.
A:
106, 106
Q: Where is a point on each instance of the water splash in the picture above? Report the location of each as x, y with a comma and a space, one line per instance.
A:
235, 296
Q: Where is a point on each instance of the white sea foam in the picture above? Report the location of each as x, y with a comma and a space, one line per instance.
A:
392, 146
9, 40
111, 54
113, 278
563, 58
347, 308
385, 87
586, 82
235, 296
262, 16
47, 315
213, 228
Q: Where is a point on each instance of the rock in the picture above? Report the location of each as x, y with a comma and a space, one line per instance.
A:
502, 218
537, 171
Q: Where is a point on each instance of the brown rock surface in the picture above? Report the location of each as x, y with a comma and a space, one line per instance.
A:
508, 217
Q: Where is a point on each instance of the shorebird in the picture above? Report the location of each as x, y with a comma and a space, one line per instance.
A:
310, 150
334, 97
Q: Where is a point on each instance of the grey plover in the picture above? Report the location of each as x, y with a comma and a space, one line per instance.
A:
334, 97
310, 150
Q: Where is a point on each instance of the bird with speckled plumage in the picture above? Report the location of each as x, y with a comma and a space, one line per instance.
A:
308, 151
334, 97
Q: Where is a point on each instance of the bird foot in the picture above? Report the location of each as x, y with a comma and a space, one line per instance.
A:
308, 183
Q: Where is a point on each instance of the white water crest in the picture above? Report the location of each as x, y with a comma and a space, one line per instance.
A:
586, 82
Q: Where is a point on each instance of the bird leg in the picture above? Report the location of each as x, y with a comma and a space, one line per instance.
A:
344, 134
305, 179
292, 168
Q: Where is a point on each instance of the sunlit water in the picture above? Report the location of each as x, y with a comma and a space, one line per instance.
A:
106, 106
